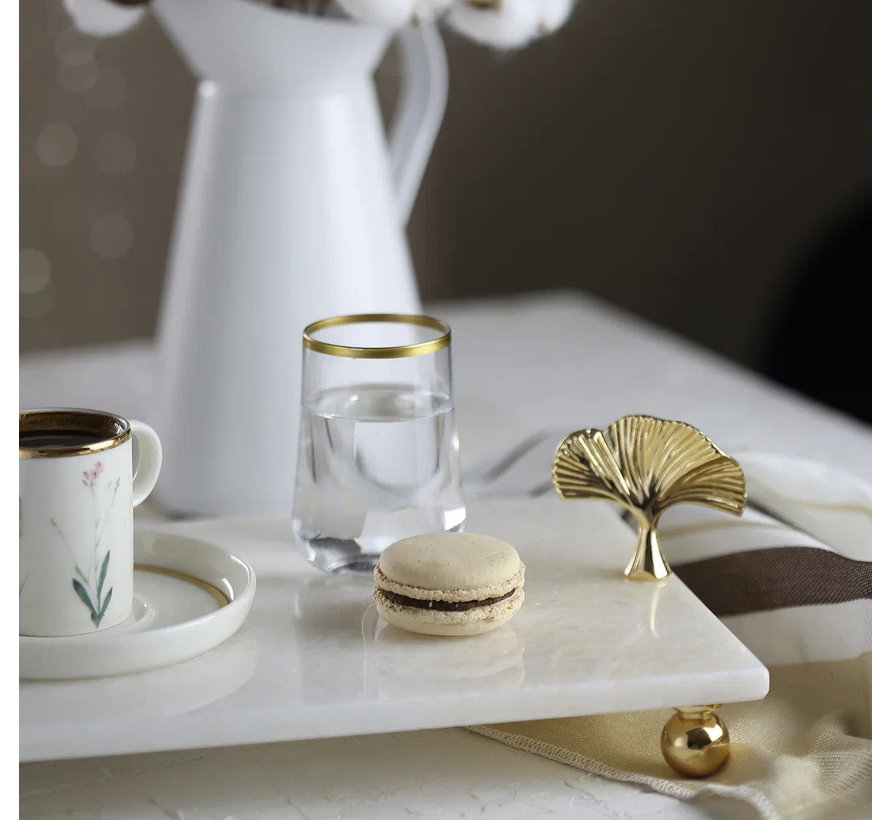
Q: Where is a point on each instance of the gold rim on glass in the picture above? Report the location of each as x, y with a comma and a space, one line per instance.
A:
395, 352
108, 429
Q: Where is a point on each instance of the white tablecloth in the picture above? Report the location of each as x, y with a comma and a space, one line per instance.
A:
558, 361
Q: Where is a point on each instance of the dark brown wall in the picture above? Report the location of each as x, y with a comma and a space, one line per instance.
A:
674, 157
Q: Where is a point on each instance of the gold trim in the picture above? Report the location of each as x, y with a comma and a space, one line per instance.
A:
72, 418
215, 592
395, 352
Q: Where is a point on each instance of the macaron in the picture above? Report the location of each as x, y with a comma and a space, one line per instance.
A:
449, 583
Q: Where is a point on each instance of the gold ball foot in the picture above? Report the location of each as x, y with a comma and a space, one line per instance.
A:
695, 742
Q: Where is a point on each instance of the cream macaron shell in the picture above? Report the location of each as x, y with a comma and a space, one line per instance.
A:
449, 568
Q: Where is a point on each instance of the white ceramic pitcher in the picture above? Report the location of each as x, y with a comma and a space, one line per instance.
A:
292, 208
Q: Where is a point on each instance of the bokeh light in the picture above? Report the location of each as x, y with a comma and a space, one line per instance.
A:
78, 78
74, 48
35, 270
56, 144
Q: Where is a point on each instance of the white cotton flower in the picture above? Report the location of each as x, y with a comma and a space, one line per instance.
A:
394, 13
554, 13
509, 23
102, 18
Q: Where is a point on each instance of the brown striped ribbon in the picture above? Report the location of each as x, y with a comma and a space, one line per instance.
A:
775, 578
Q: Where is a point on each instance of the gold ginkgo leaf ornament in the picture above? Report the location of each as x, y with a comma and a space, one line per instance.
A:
646, 465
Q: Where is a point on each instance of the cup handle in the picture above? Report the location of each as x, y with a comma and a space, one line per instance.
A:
149, 466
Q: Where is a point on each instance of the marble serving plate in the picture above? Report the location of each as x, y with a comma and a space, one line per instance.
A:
314, 660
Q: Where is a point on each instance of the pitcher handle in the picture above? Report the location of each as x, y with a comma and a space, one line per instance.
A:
418, 111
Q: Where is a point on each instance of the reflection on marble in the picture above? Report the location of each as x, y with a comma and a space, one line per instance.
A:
328, 632
399, 663
586, 640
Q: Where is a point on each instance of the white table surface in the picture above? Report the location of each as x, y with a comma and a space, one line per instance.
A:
555, 361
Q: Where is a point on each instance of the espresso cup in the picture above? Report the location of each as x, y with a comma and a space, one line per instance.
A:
77, 491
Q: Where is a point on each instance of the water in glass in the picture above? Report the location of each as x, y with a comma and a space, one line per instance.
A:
377, 462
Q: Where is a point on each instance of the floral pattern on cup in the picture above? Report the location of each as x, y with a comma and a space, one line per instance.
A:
90, 581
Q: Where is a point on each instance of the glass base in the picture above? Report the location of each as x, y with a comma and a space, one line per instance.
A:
347, 557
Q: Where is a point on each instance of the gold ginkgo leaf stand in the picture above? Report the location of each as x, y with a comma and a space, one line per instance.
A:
647, 465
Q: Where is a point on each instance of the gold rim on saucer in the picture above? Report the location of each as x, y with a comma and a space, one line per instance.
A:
394, 352
220, 597
108, 429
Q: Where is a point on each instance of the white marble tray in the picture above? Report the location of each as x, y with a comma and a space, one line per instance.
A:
313, 660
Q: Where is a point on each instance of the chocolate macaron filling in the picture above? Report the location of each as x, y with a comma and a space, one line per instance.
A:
442, 606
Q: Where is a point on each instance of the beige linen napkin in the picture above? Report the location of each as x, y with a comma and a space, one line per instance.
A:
803, 606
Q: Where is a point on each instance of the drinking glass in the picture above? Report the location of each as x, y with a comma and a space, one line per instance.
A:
378, 455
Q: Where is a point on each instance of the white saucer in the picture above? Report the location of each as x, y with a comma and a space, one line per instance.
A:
190, 596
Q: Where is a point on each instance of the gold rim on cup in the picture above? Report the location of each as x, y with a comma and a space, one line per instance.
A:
109, 429
394, 352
